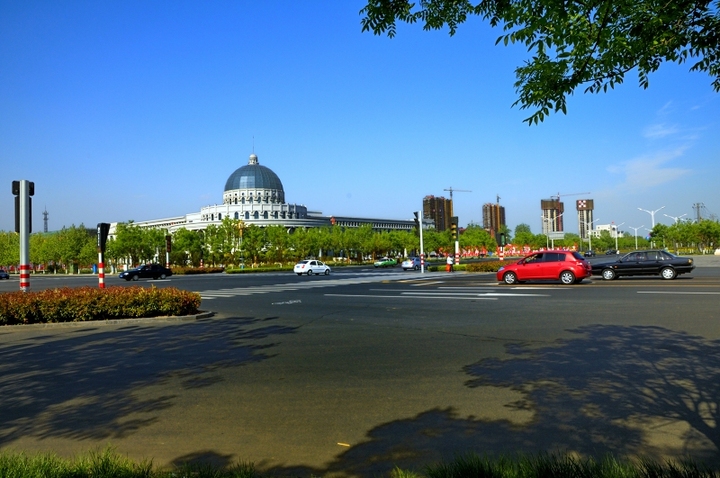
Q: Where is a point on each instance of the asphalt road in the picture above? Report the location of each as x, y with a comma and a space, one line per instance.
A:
366, 369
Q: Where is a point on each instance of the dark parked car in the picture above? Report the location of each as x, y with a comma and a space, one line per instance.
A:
661, 263
589, 254
612, 252
146, 271
568, 267
4, 275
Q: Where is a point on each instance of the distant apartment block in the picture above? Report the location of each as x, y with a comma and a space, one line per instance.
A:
493, 217
585, 209
552, 215
439, 210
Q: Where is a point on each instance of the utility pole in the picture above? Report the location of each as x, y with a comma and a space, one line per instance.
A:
697, 206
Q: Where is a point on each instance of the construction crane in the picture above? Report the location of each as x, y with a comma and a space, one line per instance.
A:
557, 196
457, 190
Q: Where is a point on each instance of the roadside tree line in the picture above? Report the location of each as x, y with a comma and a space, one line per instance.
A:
233, 242
230, 243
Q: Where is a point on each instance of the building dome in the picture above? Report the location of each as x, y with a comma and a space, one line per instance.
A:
253, 183
254, 176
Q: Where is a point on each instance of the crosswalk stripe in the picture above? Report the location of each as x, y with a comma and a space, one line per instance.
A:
245, 291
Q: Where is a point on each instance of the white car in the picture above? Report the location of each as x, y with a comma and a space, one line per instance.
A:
311, 267
412, 263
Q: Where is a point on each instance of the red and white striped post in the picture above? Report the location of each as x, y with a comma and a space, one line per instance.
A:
22, 190
102, 232
24, 277
101, 271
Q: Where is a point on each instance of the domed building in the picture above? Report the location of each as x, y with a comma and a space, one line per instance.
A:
254, 194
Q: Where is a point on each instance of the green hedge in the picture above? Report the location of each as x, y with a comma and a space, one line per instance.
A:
252, 270
484, 266
177, 270
90, 303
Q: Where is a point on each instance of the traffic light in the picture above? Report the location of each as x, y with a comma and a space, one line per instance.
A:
16, 193
168, 243
103, 228
417, 222
453, 228
502, 242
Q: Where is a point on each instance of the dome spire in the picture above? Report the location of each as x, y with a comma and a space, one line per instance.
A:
253, 159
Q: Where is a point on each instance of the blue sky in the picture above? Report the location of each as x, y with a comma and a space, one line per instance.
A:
141, 110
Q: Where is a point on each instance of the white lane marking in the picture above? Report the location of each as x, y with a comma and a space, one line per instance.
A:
294, 286
676, 292
453, 297
457, 294
424, 283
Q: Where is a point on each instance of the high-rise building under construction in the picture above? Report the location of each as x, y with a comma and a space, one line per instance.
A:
439, 210
493, 217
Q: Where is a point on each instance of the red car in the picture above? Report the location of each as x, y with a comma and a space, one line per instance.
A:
566, 266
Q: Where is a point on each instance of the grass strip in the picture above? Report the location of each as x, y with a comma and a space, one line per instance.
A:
109, 464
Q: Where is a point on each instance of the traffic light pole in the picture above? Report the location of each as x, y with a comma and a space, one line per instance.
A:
102, 232
24, 230
456, 237
422, 250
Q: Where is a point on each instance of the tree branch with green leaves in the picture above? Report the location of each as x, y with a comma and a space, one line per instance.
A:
590, 44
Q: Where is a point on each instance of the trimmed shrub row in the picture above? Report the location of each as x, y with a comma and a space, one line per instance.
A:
90, 303
485, 266
197, 270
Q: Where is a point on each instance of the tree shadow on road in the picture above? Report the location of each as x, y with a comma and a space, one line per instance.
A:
81, 383
600, 393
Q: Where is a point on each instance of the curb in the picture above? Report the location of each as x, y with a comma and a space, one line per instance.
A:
94, 323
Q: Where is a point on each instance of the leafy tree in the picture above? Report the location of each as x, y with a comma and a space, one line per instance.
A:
253, 242
659, 233
475, 236
570, 240
573, 44
187, 247
136, 244
300, 243
364, 239
277, 243
435, 240
708, 233
72, 248
522, 228
9, 248
41, 247
525, 238
344, 241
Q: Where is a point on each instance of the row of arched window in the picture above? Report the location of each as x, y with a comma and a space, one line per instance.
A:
254, 215
257, 199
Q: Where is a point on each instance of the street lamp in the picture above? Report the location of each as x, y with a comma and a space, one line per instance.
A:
616, 236
588, 228
652, 214
636, 230
676, 219
547, 236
